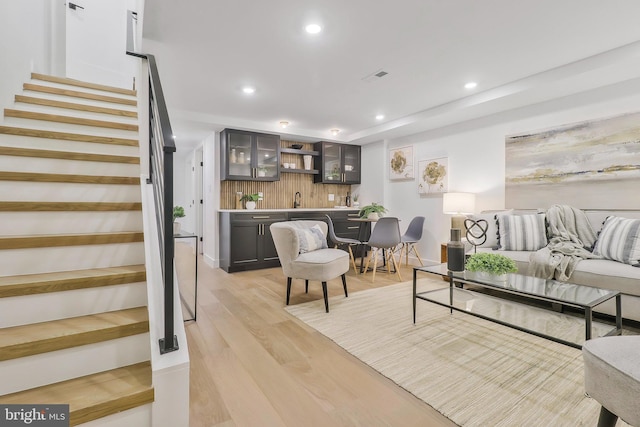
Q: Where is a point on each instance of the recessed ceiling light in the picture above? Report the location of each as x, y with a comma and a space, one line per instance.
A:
248, 89
470, 85
380, 117
284, 124
334, 132
313, 28
173, 136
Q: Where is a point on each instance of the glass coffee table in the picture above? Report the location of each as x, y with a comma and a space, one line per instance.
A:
460, 296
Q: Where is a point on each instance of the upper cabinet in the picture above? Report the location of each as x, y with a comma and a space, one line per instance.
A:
249, 156
337, 163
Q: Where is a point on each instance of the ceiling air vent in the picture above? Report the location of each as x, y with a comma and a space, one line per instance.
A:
375, 76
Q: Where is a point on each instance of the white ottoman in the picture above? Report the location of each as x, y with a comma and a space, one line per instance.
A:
612, 377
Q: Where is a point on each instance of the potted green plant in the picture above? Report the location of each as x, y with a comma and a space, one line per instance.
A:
372, 211
490, 266
356, 203
250, 200
178, 212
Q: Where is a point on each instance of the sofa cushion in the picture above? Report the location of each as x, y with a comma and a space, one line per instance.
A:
311, 239
522, 232
619, 240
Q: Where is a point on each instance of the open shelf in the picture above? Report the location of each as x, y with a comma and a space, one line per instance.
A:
295, 151
288, 170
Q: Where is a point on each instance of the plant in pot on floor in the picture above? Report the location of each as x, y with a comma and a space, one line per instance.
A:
178, 212
490, 266
373, 211
250, 200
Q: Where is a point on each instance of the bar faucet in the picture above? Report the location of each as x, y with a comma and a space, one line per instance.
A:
296, 200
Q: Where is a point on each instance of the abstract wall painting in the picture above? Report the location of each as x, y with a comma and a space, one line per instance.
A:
433, 176
401, 163
589, 165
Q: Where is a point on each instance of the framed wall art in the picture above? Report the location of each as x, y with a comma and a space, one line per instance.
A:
401, 163
593, 164
433, 176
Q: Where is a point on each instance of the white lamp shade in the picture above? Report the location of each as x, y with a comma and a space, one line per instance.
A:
458, 203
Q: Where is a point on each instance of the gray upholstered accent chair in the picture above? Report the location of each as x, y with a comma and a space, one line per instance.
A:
302, 249
612, 377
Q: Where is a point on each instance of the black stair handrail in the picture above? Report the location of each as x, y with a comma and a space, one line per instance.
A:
161, 149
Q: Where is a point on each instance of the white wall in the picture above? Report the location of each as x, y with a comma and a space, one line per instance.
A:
211, 194
25, 34
96, 42
476, 156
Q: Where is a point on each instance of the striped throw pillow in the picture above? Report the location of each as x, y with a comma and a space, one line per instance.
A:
619, 240
311, 239
522, 232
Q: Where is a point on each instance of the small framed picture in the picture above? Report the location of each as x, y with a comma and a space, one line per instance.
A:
401, 163
433, 176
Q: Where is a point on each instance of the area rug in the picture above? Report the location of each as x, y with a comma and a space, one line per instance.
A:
475, 372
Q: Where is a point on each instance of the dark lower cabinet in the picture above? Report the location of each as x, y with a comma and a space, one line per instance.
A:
246, 242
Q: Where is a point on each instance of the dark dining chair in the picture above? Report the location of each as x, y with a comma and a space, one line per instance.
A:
385, 238
410, 238
343, 241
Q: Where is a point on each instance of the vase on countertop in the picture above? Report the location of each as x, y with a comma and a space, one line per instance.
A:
250, 205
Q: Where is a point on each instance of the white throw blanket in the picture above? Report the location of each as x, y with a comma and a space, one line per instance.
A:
571, 237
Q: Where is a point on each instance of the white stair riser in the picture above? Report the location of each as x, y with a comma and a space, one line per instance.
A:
80, 89
67, 192
33, 371
66, 258
37, 108
68, 167
62, 145
37, 223
24, 310
65, 127
138, 417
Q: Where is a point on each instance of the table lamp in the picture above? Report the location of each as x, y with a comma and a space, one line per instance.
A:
458, 205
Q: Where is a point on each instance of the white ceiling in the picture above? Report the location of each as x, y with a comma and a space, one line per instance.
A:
519, 52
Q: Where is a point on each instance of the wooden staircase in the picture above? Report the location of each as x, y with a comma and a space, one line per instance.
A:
74, 325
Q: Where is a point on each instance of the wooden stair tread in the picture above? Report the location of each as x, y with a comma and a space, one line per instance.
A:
77, 179
57, 240
37, 338
79, 94
30, 284
21, 114
67, 155
67, 136
69, 206
94, 396
74, 106
80, 83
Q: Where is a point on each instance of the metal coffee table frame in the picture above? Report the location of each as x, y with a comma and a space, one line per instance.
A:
458, 278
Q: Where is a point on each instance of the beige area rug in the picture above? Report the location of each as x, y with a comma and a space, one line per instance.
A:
475, 372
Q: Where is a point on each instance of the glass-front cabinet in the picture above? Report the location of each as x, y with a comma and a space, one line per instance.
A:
338, 163
249, 156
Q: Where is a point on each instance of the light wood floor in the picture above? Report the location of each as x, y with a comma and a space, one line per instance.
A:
253, 364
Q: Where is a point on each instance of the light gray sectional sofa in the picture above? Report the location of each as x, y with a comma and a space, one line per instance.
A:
602, 273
